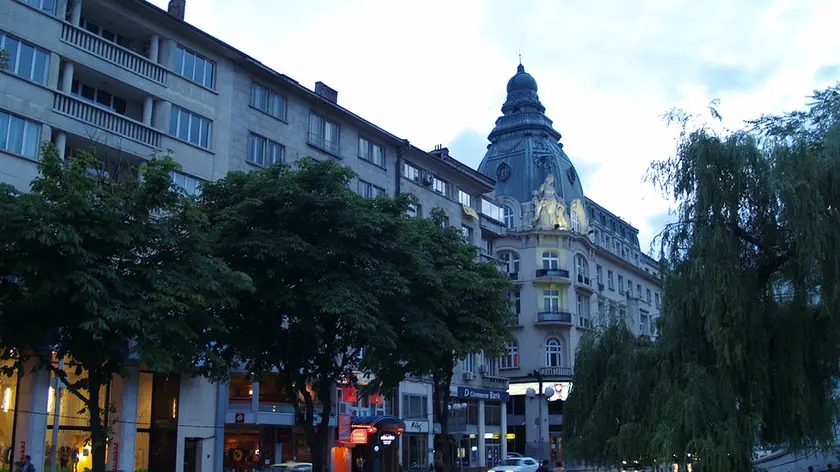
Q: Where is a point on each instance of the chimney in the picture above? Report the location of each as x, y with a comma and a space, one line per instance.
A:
440, 151
177, 8
327, 93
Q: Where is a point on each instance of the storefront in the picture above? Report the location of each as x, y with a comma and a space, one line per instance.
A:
476, 427
248, 447
8, 400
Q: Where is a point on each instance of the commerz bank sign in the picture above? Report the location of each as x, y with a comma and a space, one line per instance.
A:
483, 394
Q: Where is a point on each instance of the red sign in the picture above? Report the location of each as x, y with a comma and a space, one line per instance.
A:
116, 456
345, 429
359, 436
376, 399
350, 394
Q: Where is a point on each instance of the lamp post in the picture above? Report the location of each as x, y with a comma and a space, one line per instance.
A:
457, 408
546, 393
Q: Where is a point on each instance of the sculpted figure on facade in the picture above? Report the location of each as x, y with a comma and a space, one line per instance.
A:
580, 215
549, 210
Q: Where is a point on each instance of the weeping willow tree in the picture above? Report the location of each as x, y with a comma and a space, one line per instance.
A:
749, 345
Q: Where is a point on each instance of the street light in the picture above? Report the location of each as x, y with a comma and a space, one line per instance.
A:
457, 407
547, 393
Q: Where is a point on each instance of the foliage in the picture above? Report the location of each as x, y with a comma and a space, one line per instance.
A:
117, 268
322, 260
456, 306
749, 345
4, 59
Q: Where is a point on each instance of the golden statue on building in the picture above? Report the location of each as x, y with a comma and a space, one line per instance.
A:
549, 211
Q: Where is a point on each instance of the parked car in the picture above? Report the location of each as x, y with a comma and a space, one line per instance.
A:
291, 466
517, 464
513, 454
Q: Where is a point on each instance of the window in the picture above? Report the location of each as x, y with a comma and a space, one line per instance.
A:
324, 134
415, 407
508, 217
371, 152
266, 101
264, 152
469, 363
517, 304
490, 209
583, 310
638, 291
629, 287
487, 246
190, 127
490, 364
24, 59
415, 210
440, 186
106, 34
410, 172
464, 198
644, 323
657, 301
620, 284
599, 274
466, 233
511, 358
551, 301
581, 266
187, 184
19, 135
195, 67
553, 352
551, 261
98, 97
575, 222
610, 279
46, 5
512, 260
368, 190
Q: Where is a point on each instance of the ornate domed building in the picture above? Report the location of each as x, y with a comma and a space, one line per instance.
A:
574, 265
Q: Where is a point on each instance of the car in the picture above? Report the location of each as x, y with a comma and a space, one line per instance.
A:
513, 454
517, 464
291, 466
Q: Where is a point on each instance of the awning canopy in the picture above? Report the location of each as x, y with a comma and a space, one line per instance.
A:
382, 422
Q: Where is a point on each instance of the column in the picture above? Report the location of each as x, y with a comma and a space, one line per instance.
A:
532, 427
503, 427
154, 48
60, 142
148, 105
161, 114
67, 71
31, 418
52, 75
255, 397
482, 452
75, 11
46, 135
222, 393
61, 9
166, 53
124, 395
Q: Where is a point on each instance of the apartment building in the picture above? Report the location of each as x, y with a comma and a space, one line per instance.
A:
128, 80
575, 266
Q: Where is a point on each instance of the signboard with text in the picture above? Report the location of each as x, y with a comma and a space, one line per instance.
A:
483, 394
414, 426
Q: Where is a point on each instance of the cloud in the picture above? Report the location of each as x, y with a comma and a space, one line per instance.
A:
468, 146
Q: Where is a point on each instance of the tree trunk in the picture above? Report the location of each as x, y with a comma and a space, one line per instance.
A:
317, 436
440, 392
98, 431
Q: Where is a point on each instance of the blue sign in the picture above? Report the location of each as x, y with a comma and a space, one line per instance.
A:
483, 394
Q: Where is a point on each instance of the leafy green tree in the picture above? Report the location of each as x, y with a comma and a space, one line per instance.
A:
749, 346
100, 269
456, 306
322, 259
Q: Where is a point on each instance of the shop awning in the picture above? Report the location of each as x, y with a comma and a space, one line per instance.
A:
388, 422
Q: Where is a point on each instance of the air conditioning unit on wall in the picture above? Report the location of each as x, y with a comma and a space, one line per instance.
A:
468, 376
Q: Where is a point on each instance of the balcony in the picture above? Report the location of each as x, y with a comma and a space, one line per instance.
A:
561, 317
491, 219
325, 144
583, 279
107, 120
556, 371
552, 274
515, 276
111, 52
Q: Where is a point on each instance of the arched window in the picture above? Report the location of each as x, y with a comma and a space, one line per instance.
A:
511, 259
575, 222
508, 216
511, 359
553, 352
581, 266
551, 261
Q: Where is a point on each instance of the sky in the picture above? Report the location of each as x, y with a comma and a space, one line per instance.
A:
435, 71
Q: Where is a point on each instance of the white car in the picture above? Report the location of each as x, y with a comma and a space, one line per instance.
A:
514, 455
517, 464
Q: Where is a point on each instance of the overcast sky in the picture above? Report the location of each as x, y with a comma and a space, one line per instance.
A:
434, 71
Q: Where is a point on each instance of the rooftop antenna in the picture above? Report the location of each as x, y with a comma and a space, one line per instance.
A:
520, 57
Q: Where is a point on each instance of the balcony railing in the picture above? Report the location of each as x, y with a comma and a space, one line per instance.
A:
111, 52
556, 371
325, 144
491, 210
554, 317
106, 120
583, 279
553, 273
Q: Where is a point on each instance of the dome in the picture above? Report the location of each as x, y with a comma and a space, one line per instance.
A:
521, 81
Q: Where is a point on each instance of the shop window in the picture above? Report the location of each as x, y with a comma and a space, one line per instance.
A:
240, 391
8, 393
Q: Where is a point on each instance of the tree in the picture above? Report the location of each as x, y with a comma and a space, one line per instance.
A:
749, 345
322, 259
456, 306
114, 267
